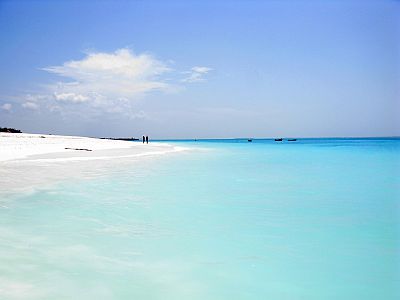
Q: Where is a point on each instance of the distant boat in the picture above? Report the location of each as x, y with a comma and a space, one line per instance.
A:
278, 140
249, 140
292, 140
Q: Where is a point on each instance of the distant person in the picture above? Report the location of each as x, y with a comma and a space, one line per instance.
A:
144, 139
147, 139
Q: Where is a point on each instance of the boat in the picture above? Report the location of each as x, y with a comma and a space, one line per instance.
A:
278, 140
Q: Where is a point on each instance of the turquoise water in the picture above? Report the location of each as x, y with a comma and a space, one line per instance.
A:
312, 219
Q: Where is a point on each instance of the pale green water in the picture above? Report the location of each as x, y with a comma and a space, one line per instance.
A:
316, 219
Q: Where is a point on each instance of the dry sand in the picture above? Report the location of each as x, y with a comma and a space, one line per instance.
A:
32, 161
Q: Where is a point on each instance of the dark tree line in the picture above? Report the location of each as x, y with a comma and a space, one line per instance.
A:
10, 130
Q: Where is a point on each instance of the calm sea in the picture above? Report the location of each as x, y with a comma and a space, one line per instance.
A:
311, 219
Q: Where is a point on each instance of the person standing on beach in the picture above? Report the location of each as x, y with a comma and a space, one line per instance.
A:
147, 139
143, 139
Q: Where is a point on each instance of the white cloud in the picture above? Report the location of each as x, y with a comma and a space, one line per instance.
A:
108, 83
6, 106
105, 82
196, 74
30, 105
112, 75
70, 97
203, 70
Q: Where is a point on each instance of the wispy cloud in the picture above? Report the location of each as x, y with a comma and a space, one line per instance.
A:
104, 82
101, 78
30, 105
70, 97
6, 106
196, 74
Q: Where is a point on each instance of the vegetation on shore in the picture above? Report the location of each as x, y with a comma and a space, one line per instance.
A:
9, 130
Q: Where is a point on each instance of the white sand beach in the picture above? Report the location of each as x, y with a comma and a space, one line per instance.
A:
22, 145
34, 160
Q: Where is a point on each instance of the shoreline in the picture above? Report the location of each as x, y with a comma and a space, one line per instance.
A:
35, 161
18, 146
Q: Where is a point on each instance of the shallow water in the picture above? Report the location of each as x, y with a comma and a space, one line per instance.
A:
311, 219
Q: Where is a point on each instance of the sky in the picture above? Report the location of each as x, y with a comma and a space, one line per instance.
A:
201, 69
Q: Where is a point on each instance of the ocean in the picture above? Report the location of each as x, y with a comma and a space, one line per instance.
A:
228, 219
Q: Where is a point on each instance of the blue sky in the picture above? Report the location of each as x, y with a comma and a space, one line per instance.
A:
176, 69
